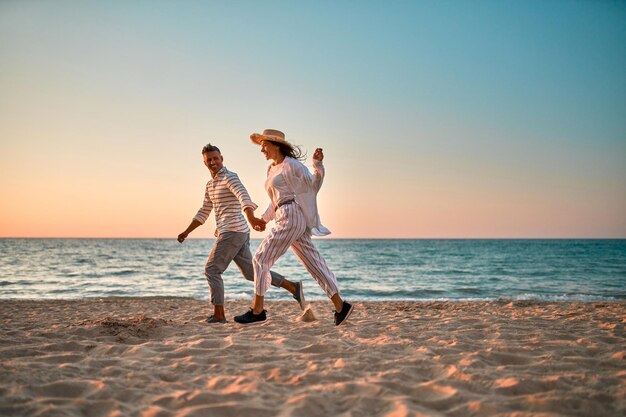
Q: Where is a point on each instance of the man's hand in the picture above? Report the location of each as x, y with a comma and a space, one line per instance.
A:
318, 155
256, 223
182, 236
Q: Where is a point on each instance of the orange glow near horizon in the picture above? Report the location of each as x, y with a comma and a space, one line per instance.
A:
153, 210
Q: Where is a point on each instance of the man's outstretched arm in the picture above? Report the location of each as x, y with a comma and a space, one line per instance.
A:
192, 226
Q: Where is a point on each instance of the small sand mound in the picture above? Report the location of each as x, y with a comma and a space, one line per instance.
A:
307, 316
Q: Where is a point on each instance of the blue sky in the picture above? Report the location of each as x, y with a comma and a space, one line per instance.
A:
477, 119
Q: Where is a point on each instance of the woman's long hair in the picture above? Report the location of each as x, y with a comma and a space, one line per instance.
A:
294, 152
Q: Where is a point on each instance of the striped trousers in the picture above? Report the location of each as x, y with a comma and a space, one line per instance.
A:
290, 231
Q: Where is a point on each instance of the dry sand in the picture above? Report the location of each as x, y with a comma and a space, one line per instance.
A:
156, 357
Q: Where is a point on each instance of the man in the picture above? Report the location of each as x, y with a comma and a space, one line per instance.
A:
228, 197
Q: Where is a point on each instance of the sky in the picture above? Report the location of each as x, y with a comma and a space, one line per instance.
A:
438, 119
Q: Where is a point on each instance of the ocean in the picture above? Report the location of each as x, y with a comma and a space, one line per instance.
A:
376, 269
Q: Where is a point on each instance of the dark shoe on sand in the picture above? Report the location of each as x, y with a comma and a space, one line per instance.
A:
299, 295
343, 315
250, 317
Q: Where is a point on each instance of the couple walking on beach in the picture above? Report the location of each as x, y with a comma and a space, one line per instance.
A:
293, 207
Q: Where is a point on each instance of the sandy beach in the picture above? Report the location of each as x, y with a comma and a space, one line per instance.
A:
156, 357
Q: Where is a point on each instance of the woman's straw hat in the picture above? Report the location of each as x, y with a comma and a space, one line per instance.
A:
270, 134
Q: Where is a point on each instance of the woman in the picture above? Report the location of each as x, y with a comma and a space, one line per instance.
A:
293, 206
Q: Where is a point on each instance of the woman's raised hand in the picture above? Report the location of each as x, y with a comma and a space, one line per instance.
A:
318, 155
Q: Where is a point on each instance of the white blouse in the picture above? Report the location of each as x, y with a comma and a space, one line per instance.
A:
296, 180
276, 186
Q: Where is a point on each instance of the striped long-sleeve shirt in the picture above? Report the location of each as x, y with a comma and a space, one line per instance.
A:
228, 197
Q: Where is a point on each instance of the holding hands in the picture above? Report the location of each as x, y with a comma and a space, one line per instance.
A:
257, 224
